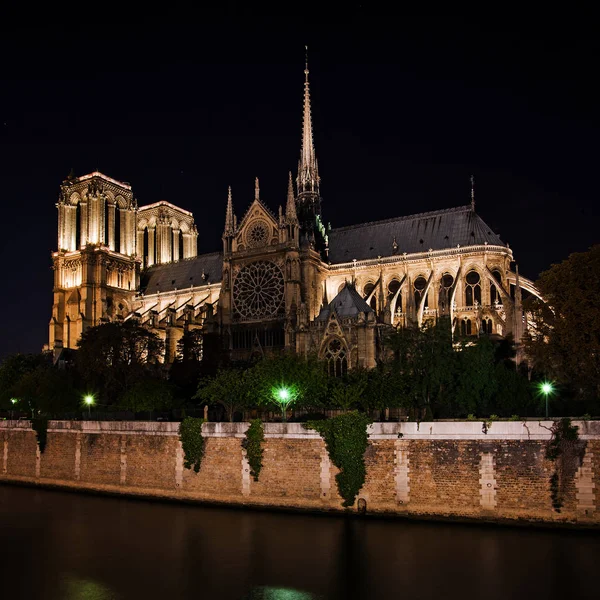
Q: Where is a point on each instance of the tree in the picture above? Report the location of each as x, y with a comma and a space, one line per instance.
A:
347, 392
12, 370
113, 357
36, 385
229, 387
188, 366
564, 343
424, 364
475, 378
148, 395
304, 379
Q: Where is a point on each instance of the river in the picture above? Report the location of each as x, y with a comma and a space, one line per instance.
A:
57, 545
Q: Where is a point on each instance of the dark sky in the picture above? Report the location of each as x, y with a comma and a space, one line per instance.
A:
404, 110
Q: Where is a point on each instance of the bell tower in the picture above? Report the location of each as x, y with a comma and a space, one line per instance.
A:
96, 270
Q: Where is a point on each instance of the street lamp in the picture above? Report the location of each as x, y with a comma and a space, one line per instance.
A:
13, 402
89, 400
547, 389
284, 397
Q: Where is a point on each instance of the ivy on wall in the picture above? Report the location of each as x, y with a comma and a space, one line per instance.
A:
40, 426
252, 443
346, 439
566, 451
192, 442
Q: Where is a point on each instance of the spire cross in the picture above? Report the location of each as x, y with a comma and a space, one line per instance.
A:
256, 189
473, 192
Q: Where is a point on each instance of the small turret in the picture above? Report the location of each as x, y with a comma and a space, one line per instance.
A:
230, 224
291, 216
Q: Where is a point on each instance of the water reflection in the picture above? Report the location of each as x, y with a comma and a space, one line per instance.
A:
63, 546
82, 589
267, 593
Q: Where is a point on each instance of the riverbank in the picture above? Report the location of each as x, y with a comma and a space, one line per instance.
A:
459, 471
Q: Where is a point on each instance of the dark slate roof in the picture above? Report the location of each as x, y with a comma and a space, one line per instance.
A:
348, 303
438, 230
182, 274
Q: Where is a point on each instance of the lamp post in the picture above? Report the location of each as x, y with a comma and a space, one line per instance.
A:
89, 400
547, 389
283, 396
13, 401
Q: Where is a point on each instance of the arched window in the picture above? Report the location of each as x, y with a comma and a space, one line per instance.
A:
145, 249
118, 224
393, 287
472, 288
369, 287
336, 357
469, 328
494, 294
419, 286
445, 286
463, 327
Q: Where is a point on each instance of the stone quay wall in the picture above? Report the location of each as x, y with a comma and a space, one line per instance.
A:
453, 470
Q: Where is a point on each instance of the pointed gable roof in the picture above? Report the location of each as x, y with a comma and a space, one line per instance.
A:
348, 303
436, 230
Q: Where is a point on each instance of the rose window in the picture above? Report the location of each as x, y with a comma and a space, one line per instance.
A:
257, 234
258, 290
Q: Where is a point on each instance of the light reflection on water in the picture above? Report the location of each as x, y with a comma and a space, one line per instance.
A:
269, 593
60, 546
84, 589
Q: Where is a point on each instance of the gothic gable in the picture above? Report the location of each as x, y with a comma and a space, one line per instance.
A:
258, 229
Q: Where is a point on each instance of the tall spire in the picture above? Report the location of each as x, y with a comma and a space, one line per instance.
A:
229, 218
256, 189
290, 207
308, 175
473, 193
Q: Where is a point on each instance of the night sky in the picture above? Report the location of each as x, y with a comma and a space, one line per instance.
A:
404, 111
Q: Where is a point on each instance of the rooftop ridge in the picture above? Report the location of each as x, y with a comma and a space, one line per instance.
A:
430, 213
172, 263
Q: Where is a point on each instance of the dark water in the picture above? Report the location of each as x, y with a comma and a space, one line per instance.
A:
56, 545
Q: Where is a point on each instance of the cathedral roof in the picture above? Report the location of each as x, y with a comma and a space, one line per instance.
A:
435, 230
348, 303
183, 274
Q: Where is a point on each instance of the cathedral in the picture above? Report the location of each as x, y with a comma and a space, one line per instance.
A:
283, 280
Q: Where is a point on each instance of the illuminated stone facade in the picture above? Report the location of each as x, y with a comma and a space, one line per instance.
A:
282, 280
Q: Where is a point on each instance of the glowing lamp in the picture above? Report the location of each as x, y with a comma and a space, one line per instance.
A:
89, 400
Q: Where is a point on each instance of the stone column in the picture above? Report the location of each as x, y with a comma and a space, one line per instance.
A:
487, 481
61, 226
402, 473
584, 482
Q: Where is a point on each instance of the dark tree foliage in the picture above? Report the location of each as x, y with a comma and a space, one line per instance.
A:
229, 388
424, 366
436, 378
114, 357
565, 342
38, 387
